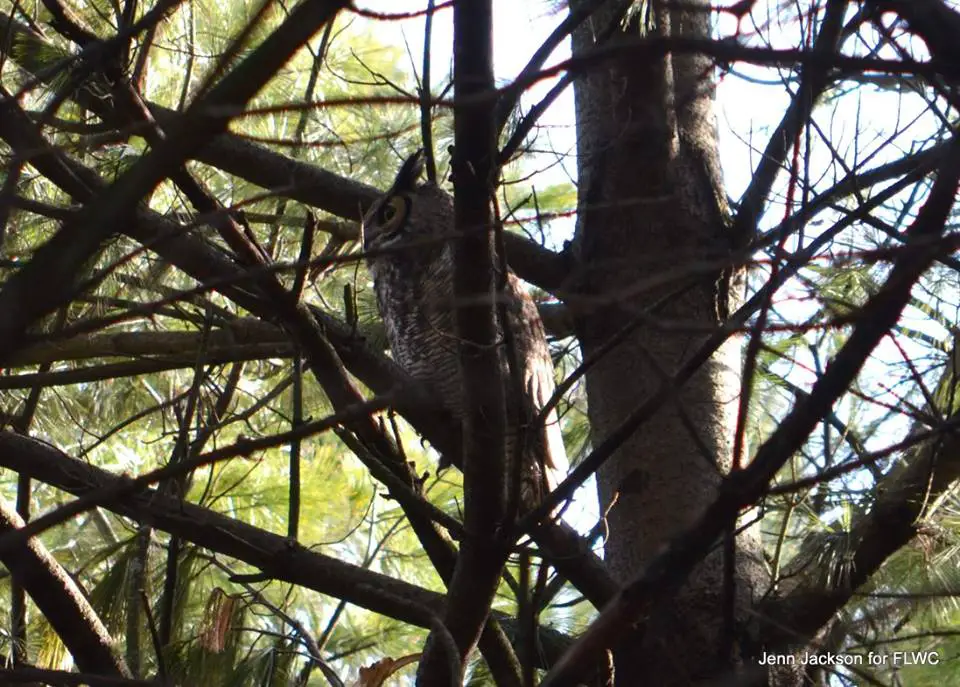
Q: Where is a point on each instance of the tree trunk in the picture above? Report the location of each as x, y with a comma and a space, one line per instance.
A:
651, 215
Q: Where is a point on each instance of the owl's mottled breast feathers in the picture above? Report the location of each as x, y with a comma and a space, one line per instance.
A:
408, 236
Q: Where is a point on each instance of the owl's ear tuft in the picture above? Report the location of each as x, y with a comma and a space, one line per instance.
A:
409, 173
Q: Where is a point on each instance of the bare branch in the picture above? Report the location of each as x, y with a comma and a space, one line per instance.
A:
482, 554
60, 600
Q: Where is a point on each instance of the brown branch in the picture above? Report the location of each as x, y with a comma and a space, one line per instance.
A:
476, 576
31, 676
240, 332
67, 25
290, 178
905, 496
577, 15
933, 20
813, 82
60, 600
209, 265
897, 516
49, 278
97, 373
277, 556
668, 570
175, 471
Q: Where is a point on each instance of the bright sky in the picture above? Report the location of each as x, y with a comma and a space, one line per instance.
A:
520, 28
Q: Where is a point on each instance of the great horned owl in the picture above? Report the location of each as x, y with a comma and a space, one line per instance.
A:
408, 235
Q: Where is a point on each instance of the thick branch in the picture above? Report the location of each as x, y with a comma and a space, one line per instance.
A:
177, 344
813, 81
933, 20
277, 556
59, 598
905, 496
897, 516
289, 178
209, 265
49, 279
667, 571
482, 555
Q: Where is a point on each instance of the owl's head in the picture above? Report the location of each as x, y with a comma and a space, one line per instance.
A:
411, 213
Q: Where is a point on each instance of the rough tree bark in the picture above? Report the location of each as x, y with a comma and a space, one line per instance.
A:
650, 207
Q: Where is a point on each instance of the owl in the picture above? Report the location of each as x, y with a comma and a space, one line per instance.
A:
407, 235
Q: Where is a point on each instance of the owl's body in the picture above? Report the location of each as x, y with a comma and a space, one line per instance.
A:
408, 235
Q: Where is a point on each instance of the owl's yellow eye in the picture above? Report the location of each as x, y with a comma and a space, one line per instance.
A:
393, 214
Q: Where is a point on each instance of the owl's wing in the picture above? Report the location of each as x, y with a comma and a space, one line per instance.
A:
544, 453
549, 438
